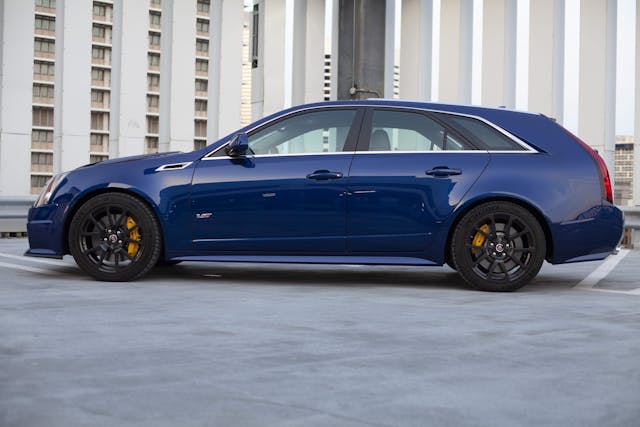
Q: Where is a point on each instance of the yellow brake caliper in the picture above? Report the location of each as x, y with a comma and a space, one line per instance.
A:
479, 238
133, 247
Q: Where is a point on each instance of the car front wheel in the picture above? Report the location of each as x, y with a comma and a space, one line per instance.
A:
115, 237
498, 246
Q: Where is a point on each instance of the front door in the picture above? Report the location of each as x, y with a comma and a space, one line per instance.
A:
286, 196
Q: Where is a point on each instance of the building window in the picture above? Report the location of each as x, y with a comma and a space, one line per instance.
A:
43, 69
99, 121
42, 117
94, 158
202, 66
255, 28
201, 105
154, 60
202, 26
50, 4
97, 74
153, 81
200, 128
38, 181
154, 40
97, 52
99, 10
202, 47
201, 85
44, 46
45, 23
153, 101
154, 19
98, 32
42, 139
203, 6
42, 159
156, 2
42, 91
99, 142
153, 125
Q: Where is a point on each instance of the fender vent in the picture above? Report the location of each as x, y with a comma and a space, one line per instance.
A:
173, 166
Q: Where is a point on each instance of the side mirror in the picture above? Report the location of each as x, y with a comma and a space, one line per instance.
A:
238, 146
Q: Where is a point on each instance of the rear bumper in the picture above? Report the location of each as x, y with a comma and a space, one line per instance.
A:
594, 235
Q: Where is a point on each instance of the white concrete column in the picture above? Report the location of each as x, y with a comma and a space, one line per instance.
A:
72, 114
295, 66
177, 75
335, 49
273, 57
314, 52
456, 37
389, 46
128, 82
499, 53
16, 94
597, 85
546, 57
636, 138
416, 47
225, 68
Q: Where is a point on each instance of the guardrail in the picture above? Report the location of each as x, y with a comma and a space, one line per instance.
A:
13, 219
631, 237
13, 214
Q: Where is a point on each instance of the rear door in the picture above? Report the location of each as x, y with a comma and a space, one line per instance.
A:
409, 171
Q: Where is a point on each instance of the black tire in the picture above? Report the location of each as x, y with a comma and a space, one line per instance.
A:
498, 247
115, 237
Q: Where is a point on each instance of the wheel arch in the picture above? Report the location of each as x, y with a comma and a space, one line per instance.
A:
535, 211
105, 190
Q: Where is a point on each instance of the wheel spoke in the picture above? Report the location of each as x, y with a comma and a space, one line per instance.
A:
126, 255
517, 261
91, 250
529, 249
480, 259
472, 246
492, 267
507, 226
90, 233
521, 233
492, 225
95, 221
102, 257
505, 271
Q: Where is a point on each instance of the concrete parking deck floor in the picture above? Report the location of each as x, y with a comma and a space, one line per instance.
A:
273, 345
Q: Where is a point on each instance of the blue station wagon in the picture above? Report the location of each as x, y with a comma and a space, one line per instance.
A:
490, 192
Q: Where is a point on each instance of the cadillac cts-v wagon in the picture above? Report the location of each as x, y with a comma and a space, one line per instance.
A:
493, 193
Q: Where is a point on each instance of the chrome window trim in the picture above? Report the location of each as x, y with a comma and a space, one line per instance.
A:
527, 148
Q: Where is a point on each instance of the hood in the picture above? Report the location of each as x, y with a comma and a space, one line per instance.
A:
133, 158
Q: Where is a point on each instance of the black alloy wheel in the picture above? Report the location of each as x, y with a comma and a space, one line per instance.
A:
115, 237
498, 246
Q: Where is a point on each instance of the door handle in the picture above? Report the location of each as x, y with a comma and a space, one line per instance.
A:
324, 175
443, 171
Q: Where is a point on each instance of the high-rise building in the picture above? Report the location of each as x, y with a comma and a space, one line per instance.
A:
624, 170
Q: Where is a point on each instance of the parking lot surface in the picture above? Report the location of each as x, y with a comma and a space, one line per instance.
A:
296, 345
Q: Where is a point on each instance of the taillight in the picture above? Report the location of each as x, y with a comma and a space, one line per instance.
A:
602, 169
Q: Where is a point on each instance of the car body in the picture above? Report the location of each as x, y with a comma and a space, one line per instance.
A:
366, 182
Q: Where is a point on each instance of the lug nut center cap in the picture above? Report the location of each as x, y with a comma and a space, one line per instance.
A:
113, 238
499, 247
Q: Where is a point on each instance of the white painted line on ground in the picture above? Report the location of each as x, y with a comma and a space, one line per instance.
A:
58, 263
26, 268
590, 282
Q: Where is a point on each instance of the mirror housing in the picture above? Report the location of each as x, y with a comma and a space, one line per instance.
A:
238, 146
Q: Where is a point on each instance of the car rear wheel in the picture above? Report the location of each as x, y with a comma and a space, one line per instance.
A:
498, 246
115, 237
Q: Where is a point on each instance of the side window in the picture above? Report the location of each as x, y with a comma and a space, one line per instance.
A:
406, 131
478, 131
307, 133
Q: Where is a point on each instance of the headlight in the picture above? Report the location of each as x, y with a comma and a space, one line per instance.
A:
49, 188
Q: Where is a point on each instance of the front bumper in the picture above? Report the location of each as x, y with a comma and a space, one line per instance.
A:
45, 229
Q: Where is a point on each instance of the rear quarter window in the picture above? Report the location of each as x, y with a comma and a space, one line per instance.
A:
481, 133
